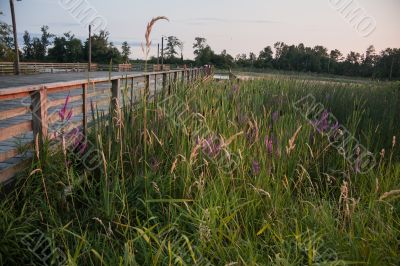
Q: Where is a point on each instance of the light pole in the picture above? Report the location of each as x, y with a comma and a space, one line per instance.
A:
162, 53
90, 49
158, 54
16, 61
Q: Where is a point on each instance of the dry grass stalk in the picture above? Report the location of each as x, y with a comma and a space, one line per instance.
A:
292, 141
391, 195
149, 28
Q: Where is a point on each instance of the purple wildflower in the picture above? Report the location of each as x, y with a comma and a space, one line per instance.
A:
210, 146
235, 89
270, 142
64, 116
275, 116
256, 168
322, 124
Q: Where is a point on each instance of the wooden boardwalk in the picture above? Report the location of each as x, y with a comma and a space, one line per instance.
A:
36, 79
18, 94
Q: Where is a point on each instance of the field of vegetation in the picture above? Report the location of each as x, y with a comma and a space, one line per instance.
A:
219, 173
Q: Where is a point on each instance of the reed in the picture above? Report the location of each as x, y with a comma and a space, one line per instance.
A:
234, 177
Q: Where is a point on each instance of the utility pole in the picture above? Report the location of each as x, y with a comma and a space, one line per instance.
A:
162, 53
90, 49
16, 61
158, 54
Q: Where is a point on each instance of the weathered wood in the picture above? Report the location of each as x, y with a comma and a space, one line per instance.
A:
8, 173
164, 81
115, 94
39, 113
14, 112
84, 107
40, 104
15, 130
8, 154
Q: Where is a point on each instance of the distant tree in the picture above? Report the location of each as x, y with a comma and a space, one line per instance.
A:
265, 58
103, 51
28, 46
172, 45
181, 46
74, 48
58, 52
6, 42
335, 57
199, 45
66, 49
202, 51
369, 62
126, 51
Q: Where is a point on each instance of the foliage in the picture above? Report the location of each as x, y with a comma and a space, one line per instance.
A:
126, 51
195, 207
6, 42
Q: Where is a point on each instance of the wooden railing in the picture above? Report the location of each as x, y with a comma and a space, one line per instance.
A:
7, 68
40, 105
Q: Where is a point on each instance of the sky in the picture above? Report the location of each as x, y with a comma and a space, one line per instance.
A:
235, 25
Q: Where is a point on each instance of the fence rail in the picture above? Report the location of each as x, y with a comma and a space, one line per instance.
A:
7, 68
36, 107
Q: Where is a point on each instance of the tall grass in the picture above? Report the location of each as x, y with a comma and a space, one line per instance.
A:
235, 176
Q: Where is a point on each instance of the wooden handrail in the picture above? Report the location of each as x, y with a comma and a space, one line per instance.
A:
41, 120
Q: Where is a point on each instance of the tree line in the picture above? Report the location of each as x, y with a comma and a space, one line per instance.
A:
66, 48
318, 59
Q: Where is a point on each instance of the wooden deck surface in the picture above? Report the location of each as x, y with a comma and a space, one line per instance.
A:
100, 94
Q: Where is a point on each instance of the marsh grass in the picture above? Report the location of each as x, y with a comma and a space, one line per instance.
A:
180, 206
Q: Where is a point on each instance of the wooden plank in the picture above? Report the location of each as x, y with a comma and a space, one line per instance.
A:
8, 154
8, 173
39, 113
13, 96
14, 112
15, 130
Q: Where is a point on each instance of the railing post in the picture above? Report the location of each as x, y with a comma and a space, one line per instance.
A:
188, 76
183, 76
84, 108
164, 81
115, 94
39, 114
175, 77
131, 91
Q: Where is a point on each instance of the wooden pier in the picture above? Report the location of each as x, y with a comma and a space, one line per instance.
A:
31, 111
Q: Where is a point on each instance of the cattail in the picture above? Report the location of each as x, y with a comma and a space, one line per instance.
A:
382, 153
344, 198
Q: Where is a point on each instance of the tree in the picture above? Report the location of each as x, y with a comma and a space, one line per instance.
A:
199, 45
58, 52
6, 42
74, 48
171, 47
126, 51
180, 46
265, 58
334, 57
103, 51
28, 46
